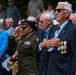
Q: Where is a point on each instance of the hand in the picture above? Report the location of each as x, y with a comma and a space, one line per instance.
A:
14, 55
52, 42
43, 43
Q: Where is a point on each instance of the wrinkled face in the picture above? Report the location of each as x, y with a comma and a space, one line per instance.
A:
61, 13
8, 23
44, 23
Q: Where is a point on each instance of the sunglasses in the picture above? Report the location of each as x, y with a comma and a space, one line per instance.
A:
59, 10
40, 21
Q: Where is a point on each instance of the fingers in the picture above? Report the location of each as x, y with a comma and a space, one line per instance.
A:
43, 43
52, 42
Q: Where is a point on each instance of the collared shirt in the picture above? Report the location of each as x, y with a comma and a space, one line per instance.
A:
46, 34
10, 31
61, 27
56, 34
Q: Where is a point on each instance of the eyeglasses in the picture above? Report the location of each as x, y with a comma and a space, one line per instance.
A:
40, 21
59, 10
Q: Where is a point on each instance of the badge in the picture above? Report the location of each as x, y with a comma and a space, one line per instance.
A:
19, 41
65, 47
37, 39
62, 48
65, 42
62, 52
58, 43
61, 43
27, 42
65, 51
58, 48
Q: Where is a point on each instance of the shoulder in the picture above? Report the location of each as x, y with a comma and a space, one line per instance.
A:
4, 33
15, 7
12, 28
72, 26
33, 37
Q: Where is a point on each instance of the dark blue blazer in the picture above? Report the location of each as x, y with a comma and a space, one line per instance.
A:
62, 64
43, 55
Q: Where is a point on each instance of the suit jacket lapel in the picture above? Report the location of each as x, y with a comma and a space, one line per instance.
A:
51, 31
64, 30
53, 34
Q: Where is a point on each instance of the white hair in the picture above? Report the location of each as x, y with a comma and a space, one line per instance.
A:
67, 6
2, 22
49, 16
31, 18
10, 19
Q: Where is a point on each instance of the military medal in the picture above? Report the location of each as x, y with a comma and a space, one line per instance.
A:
58, 43
19, 41
62, 52
61, 43
65, 47
58, 48
62, 48
65, 42
65, 51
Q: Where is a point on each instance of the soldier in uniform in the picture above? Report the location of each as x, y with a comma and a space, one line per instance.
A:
25, 49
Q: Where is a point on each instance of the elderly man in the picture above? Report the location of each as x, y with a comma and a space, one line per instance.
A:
9, 26
45, 23
63, 53
73, 18
3, 41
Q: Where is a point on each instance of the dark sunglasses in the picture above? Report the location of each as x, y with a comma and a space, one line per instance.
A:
59, 10
40, 21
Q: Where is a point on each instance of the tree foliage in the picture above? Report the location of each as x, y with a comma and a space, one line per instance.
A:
22, 4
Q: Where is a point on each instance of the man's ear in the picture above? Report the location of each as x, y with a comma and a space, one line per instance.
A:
49, 21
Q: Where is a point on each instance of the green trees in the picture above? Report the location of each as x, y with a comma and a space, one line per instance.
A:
22, 4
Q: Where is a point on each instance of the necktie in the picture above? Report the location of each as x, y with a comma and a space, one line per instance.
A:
58, 28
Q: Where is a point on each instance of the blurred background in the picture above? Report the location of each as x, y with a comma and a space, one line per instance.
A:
22, 4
